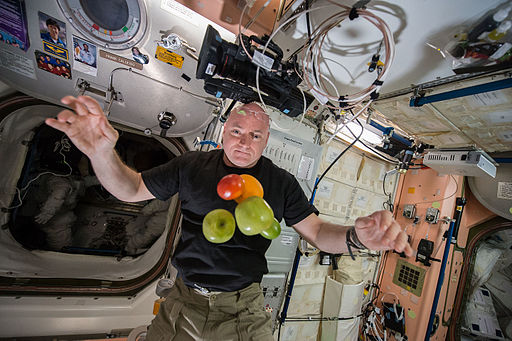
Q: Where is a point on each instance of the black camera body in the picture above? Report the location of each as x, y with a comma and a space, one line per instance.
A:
237, 73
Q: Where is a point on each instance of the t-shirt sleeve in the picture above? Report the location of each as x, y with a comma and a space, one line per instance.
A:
163, 181
297, 206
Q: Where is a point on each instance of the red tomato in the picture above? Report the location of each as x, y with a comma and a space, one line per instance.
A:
230, 187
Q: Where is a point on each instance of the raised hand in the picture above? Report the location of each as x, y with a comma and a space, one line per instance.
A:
87, 127
379, 231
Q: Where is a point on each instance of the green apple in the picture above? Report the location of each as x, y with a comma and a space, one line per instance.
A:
219, 226
273, 231
253, 215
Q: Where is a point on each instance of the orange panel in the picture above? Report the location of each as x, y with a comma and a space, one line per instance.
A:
425, 188
226, 13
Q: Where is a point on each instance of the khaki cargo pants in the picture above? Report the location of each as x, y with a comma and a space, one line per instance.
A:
188, 314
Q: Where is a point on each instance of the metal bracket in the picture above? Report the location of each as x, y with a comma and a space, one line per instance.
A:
109, 94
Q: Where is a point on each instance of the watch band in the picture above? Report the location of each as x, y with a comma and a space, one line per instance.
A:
353, 241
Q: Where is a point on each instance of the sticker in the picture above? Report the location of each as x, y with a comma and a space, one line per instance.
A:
52, 30
55, 49
325, 189
436, 204
411, 190
169, 57
85, 56
53, 65
305, 170
180, 10
411, 314
210, 69
505, 190
120, 60
138, 56
16, 63
13, 24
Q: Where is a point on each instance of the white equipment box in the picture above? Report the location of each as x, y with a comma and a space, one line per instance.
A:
460, 162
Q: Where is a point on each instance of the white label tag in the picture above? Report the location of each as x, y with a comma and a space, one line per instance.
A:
505, 190
180, 10
305, 170
210, 69
262, 60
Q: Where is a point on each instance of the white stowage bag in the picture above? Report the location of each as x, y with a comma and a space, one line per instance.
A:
341, 300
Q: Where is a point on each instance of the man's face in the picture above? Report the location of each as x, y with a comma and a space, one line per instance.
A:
86, 48
245, 135
54, 31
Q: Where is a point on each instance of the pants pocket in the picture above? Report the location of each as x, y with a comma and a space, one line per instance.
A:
163, 326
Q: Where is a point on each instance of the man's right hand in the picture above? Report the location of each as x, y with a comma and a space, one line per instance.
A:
87, 127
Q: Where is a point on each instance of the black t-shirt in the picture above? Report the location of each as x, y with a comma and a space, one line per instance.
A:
240, 261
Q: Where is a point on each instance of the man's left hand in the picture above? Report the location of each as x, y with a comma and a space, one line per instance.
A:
379, 231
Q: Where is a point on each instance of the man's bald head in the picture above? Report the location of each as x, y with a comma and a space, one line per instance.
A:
245, 135
249, 111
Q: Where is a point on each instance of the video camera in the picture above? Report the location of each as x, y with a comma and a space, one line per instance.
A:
238, 73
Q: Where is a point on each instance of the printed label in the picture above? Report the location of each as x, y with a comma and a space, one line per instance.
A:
505, 190
169, 57
16, 63
120, 60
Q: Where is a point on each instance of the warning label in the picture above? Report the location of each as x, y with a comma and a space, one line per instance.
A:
169, 57
505, 190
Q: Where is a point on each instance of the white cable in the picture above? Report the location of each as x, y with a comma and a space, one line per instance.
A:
350, 120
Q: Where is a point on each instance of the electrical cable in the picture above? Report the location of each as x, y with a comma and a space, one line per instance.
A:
448, 197
349, 100
334, 161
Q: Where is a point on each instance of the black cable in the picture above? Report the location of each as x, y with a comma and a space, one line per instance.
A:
384, 184
335, 160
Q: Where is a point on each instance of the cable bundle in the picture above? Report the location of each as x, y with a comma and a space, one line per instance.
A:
316, 81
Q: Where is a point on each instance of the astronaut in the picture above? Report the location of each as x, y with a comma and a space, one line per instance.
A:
139, 240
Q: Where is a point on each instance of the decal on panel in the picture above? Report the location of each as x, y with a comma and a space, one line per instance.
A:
53, 65
13, 24
85, 56
138, 56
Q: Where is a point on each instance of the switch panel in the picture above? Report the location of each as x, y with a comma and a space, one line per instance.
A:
409, 211
273, 286
432, 215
